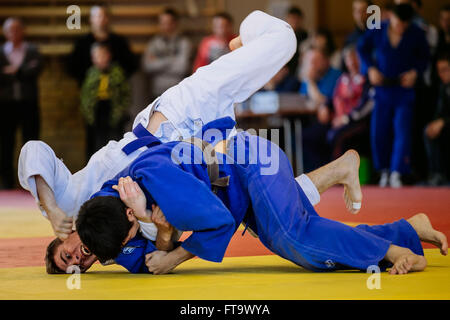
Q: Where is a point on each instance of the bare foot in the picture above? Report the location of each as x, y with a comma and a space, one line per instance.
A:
421, 223
404, 260
408, 263
349, 163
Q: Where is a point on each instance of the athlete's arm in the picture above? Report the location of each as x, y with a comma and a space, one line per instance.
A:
162, 262
61, 223
155, 121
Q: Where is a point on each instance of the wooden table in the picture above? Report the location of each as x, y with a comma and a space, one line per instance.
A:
291, 107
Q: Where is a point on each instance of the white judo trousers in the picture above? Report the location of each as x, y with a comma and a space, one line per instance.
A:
209, 94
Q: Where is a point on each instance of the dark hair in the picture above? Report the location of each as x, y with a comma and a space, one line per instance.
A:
330, 47
445, 8
443, 55
171, 12
296, 11
50, 264
368, 2
405, 12
224, 15
103, 225
100, 45
418, 3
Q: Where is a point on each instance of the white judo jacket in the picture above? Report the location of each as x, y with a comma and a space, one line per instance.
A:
209, 94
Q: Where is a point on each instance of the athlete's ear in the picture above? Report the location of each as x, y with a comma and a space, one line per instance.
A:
130, 215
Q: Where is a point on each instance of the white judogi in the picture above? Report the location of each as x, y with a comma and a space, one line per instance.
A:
210, 93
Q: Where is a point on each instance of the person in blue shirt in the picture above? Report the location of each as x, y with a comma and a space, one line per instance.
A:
250, 180
393, 57
319, 80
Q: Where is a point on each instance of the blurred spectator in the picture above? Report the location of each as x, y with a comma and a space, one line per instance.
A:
430, 30
295, 18
352, 106
283, 82
167, 56
359, 10
444, 31
402, 55
437, 133
323, 40
318, 84
318, 77
105, 97
386, 11
20, 65
80, 59
215, 45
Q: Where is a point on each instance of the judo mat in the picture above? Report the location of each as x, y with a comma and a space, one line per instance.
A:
248, 272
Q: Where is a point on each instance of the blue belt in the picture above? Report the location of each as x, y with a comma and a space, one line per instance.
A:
144, 139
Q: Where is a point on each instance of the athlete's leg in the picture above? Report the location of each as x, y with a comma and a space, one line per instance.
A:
345, 171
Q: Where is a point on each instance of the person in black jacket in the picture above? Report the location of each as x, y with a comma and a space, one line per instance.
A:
80, 59
20, 65
437, 132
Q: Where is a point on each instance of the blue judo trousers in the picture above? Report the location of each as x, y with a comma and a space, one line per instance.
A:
262, 193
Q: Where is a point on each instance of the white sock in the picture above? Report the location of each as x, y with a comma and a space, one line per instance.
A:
309, 189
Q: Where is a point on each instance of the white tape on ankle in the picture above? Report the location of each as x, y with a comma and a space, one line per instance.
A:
356, 205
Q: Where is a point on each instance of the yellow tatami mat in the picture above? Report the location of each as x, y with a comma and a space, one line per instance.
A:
263, 277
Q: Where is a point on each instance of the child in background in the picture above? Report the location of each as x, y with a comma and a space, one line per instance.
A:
105, 97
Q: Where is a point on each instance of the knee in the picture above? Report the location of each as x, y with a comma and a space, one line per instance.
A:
35, 150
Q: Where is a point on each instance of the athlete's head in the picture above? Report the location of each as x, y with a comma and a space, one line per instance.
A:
62, 254
105, 225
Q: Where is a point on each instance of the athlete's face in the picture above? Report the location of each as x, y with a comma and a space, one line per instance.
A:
72, 252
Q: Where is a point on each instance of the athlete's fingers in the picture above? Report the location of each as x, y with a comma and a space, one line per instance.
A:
62, 236
137, 187
148, 257
66, 226
128, 187
121, 189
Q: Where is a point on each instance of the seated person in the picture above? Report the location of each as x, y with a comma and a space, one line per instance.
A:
437, 133
323, 40
318, 84
352, 106
211, 186
283, 82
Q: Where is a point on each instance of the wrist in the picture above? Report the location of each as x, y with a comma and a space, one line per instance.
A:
164, 235
144, 216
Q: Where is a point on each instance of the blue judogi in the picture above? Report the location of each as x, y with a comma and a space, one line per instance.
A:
263, 193
393, 111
